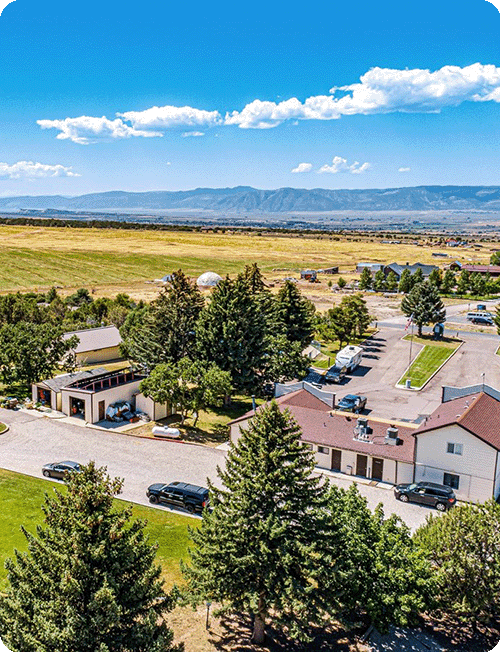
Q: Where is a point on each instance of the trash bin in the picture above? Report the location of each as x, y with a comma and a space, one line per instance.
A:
408, 383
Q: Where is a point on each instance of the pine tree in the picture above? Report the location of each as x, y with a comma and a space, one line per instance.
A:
436, 278
295, 314
463, 284
392, 282
231, 332
254, 278
405, 283
167, 332
448, 282
379, 283
365, 280
88, 582
424, 304
264, 545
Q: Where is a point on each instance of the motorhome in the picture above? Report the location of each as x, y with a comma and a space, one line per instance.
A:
350, 357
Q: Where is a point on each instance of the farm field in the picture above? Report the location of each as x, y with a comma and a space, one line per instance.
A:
112, 259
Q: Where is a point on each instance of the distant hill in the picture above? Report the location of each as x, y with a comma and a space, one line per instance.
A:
244, 199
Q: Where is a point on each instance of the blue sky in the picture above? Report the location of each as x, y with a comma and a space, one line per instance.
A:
108, 95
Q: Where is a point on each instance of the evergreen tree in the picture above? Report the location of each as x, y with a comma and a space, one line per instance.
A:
341, 282
436, 278
231, 332
463, 284
477, 284
463, 548
392, 282
167, 332
405, 282
379, 283
285, 361
295, 314
424, 304
253, 277
417, 277
357, 314
448, 282
88, 582
495, 258
264, 545
365, 280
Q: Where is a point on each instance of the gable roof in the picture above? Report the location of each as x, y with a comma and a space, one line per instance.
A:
58, 382
478, 413
492, 269
94, 339
320, 425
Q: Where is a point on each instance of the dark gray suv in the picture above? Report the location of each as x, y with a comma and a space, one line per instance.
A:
179, 494
426, 493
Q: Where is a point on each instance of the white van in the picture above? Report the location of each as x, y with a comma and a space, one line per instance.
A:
479, 313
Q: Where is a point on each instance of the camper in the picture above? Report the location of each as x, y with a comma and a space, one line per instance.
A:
350, 357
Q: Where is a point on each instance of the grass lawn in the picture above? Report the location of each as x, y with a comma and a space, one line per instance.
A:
429, 359
21, 497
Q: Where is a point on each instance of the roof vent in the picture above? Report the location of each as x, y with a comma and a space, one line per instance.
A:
391, 436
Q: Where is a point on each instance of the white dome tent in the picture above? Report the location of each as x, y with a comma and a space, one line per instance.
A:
208, 280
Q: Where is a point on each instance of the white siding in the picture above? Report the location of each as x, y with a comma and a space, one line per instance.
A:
405, 473
475, 467
497, 479
84, 396
154, 410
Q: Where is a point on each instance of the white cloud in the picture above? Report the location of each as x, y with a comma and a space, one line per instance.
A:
380, 90
86, 129
340, 164
404, 169
193, 134
31, 170
302, 167
3, 4
166, 117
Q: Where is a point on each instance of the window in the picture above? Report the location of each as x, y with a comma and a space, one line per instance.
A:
323, 449
455, 449
451, 480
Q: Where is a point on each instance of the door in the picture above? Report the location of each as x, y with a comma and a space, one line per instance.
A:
361, 465
101, 410
377, 468
336, 460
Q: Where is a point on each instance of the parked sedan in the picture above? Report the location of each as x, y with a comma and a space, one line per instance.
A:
352, 403
59, 469
435, 495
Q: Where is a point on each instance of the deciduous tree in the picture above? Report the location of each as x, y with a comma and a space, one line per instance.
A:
365, 280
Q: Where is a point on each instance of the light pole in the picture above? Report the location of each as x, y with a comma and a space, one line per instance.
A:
208, 613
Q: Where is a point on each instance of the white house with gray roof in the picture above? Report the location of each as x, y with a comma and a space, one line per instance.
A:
97, 345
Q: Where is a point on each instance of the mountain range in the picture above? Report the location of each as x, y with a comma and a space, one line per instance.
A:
244, 199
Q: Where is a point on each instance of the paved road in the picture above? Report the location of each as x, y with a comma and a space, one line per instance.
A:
33, 441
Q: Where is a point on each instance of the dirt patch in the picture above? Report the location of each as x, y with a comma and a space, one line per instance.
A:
233, 633
456, 636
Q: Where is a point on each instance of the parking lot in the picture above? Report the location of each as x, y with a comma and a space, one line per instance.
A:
33, 441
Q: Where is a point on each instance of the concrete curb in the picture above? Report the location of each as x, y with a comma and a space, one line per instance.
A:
418, 389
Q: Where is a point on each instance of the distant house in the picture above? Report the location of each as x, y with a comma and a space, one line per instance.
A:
309, 275
399, 269
459, 444
373, 267
439, 254
97, 345
329, 270
492, 270
455, 266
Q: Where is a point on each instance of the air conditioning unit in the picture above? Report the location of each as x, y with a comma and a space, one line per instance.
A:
391, 436
362, 423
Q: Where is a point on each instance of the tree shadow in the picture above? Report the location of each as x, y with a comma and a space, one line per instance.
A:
236, 633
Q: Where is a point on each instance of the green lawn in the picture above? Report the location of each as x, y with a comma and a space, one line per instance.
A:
21, 498
428, 360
